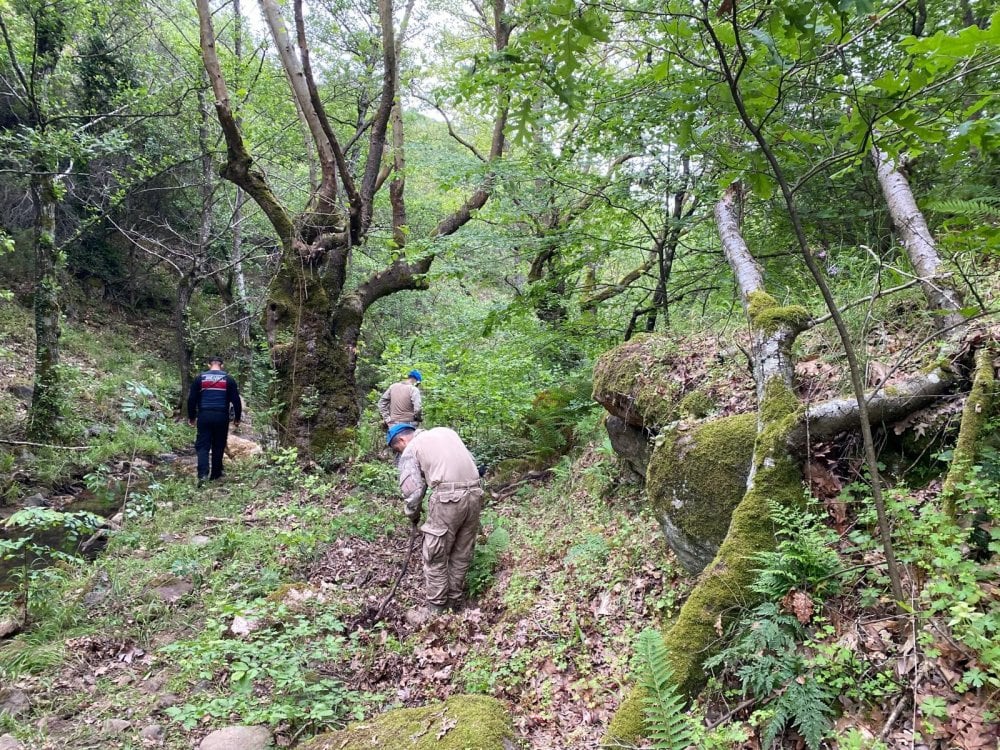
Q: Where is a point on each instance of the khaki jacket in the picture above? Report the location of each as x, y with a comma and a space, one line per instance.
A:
435, 458
401, 403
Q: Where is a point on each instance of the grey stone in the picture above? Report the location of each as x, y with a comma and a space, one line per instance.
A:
237, 738
38, 500
96, 430
167, 700
153, 733
631, 443
23, 392
115, 726
172, 592
9, 742
200, 540
14, 702
166, 458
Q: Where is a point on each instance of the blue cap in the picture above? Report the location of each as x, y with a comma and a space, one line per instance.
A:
415, 374
395, 430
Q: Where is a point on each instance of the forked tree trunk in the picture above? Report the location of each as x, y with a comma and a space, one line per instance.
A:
312, 318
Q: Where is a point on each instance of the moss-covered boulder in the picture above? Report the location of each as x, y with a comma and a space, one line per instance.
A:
697, 475
463, 722
651, 380
636, 381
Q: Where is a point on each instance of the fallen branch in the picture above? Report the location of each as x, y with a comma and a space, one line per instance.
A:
45, 445
897, 709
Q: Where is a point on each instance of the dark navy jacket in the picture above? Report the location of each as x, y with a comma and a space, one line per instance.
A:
213, 391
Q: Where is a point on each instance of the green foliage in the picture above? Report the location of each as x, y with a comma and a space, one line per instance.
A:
956, 593
48, 536
766, 658
805, 558
666, 723
272, 675
485, 560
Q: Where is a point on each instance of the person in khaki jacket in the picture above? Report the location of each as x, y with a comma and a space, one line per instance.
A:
438, 459
402, 403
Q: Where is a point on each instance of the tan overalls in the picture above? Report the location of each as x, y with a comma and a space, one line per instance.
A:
438, 459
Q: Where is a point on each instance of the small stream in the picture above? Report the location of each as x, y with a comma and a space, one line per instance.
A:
58, 538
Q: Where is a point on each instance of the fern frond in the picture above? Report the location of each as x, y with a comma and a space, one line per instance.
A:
983, 208
804, 704
666, 723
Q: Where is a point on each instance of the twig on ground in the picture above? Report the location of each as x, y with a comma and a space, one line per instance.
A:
897, 709
45, 445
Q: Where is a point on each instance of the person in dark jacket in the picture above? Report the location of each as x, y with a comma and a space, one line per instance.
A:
209, 398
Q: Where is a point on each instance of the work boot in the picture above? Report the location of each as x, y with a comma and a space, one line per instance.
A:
456, 605
422, 615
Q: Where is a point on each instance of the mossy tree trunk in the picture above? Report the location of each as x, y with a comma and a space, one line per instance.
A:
182, 337
775, 478
46, 398
312, 318
978, 406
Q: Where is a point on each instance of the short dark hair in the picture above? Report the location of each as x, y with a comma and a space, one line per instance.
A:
215, 358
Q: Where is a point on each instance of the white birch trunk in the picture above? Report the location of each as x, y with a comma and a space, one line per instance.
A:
918, 242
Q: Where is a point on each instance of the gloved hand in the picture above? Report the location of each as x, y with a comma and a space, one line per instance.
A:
413, 514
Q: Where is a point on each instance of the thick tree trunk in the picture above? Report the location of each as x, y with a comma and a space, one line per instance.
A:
46, 399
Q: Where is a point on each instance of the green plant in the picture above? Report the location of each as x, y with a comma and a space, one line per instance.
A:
485, 561
766, 658
49, 535
276, 673
666, 724
805, 557
956, 596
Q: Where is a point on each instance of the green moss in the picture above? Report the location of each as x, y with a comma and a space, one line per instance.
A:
637, 378
977, 409
767, 315
723, 588
697, 403
463, 722
697, 476
628, 724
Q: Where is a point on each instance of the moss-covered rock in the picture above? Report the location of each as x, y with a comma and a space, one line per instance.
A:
697, 404
697, 475
463, 722
636, 382
651, 381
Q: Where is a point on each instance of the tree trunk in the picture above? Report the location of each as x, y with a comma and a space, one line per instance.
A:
46, 399
314, 352
182, 338
918, 241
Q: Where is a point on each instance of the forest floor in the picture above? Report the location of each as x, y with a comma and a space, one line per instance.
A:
209, 611
244, 603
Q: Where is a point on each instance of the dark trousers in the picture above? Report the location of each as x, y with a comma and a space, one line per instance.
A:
213, 430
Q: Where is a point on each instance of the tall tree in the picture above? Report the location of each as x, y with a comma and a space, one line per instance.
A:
64, 104
316, 304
